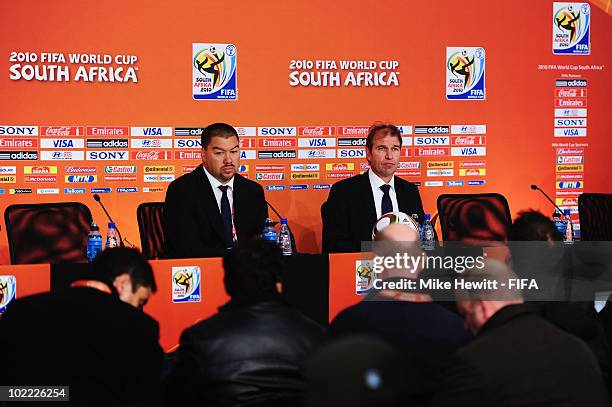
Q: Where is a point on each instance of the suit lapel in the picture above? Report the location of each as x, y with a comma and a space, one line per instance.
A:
209, 202
369, 209
240, 207
403, 201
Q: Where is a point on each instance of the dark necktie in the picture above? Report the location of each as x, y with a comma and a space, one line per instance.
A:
386, 206
226, 215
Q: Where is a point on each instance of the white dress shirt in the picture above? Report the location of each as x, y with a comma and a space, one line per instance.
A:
214, 183
375, 184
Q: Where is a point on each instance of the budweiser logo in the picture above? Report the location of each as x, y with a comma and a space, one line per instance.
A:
147, 155
57, 131
569, 151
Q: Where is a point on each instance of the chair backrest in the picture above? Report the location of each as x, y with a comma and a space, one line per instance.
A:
595, 212
150, 225
474, 217
47, 233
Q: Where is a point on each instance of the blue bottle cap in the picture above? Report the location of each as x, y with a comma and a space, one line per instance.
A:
111, 225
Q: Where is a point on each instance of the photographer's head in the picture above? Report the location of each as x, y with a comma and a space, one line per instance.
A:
252, 270
128, 271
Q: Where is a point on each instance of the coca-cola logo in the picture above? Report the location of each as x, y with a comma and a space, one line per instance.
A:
570, 93
57, 131
147, 155
315, 131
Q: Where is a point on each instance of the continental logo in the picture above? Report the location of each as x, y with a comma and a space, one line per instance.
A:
570, 168
440, 164
340, 167
39, 169
8, 179
157, 169
304, 175
468, 172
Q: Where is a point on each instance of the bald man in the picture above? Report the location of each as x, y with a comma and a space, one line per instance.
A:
518, 358
425, 333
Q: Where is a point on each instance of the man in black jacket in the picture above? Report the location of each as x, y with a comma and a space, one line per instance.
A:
354, 204
209, 209
518, 358
251, 352
87, 337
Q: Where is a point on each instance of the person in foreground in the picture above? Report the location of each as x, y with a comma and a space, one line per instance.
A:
91, 337
212, 207
423, 332
355, 203
518, 358
251, 352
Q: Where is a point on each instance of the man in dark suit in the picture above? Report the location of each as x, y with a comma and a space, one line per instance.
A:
87, 337
212, 207
424, 333
354, 204
518, 358
251, 352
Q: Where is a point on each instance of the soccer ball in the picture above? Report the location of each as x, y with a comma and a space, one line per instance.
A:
393, 217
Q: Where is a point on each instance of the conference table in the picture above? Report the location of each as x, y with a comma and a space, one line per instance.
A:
320, 286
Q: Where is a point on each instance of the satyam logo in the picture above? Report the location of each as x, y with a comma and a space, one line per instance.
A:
158, 169
276, 154
120, 169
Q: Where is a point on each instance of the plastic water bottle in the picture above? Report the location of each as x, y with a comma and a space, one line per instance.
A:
559, 223
415, 216
568, 237
111, 236
428, 240
94, 242
284, 238
269, 231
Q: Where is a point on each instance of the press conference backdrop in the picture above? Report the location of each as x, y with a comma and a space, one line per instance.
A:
111, 98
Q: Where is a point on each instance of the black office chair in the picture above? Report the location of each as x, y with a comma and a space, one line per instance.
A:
47, 233
595, 212
150, 225
474, 217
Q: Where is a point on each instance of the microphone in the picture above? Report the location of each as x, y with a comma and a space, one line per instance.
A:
97, 198
536, 188
293, 247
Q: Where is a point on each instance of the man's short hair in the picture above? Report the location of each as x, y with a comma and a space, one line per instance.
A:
252, 270
218, 130
479, 282
111, 263
532, 225
384, 129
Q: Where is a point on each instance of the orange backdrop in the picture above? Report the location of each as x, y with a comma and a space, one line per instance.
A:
518, 111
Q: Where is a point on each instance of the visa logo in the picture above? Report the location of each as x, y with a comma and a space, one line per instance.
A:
317, 142
63, 144
152, 131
